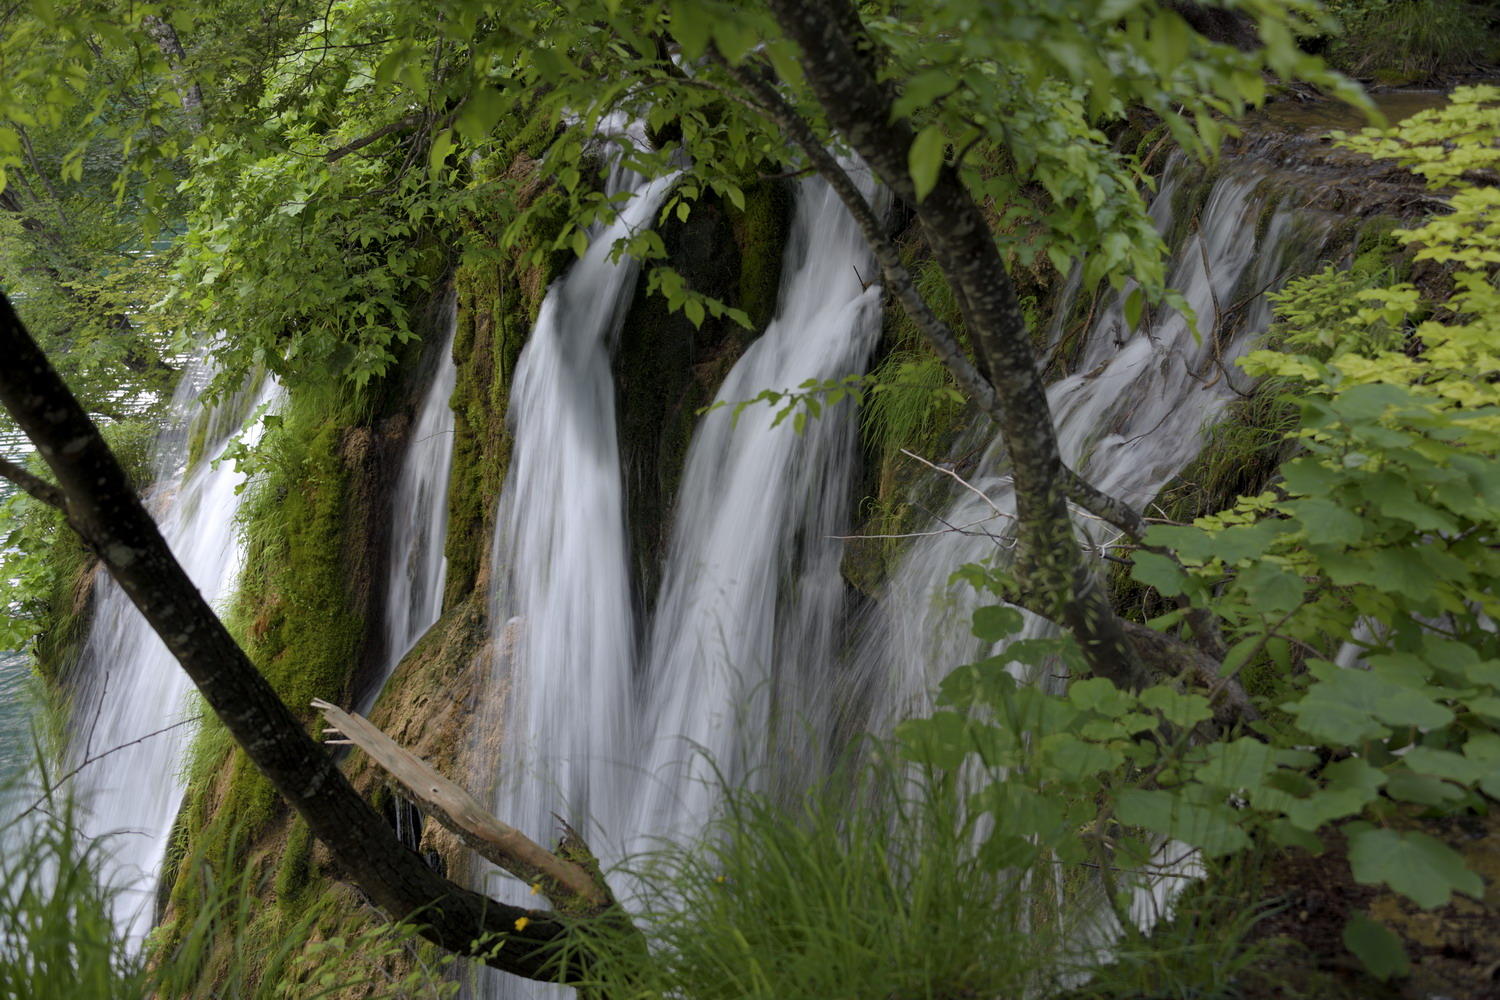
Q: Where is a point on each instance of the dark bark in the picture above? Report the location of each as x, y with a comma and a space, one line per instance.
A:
841, 64
39, 489
405, 124
103, 508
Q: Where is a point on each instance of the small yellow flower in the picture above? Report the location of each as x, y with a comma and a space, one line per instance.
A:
536, 888
521, 923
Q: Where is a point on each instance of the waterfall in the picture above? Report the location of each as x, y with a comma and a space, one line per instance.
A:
565, 653
131, 720
751, 598
15, 753
1131, 417
751, 601
738, 676
419, 516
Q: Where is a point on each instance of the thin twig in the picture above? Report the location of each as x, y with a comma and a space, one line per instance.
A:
961, 481
37, 805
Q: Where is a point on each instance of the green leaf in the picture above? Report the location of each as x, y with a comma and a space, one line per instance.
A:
1212, 827
692, 25
1101, 695
1414, 864
995, 622
925, 159
1159, 572
441, 147
1134, 303
1424, 789
480, 113
1270, 588
1073, 759
1325, 522
1020, 810
1177, 708
1377, 949
1237, 765
1444, 764
1351, 785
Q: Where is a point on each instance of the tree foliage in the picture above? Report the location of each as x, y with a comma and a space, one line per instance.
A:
1362, 585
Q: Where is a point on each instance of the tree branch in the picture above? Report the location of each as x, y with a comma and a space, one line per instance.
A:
841, 65
400, 125
898, 280
563, 882
38, 488
188, 91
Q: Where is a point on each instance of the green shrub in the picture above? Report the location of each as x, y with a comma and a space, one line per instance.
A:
1406, 41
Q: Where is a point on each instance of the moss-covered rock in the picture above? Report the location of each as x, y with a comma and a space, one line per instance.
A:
499, 294
306, 594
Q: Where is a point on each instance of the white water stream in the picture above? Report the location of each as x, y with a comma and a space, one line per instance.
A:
751, 606
1129, 420
130, 693
565, 653
751, 597
419, 515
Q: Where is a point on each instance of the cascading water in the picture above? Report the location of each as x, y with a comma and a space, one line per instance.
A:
751, 599
130, 716
751, 604
737, 661
564, 656
1131, 418
419, 516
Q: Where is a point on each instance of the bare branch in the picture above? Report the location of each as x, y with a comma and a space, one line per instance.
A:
411, 121
460, 812
37, 805
962, 482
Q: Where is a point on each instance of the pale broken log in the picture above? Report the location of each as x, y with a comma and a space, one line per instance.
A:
563, 882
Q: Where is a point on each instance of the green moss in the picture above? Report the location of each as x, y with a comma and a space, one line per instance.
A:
60, 572
68, 608
760, 235
294, 874
498, 299
299, 614
1379, 254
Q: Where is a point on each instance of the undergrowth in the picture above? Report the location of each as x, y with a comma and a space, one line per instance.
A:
58, 939
1408, 41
